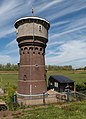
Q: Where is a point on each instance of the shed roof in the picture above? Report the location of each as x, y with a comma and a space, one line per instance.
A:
60, 79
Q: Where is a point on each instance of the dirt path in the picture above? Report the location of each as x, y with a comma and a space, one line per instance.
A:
6, 114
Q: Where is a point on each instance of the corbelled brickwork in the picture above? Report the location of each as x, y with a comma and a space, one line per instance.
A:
32, 36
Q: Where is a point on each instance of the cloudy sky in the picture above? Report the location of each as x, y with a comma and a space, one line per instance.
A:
67, 34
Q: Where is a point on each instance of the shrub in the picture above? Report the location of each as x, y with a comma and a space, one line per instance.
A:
80, 87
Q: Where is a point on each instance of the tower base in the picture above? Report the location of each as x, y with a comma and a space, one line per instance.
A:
28, 100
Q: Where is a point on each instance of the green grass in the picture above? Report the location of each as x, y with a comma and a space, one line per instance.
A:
78, 76
11, 78
73, 110
76, 110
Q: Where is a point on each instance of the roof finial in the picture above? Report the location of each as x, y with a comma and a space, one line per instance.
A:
32, 11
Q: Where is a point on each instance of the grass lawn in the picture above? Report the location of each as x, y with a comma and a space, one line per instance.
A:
78, 76
72, 110
12, 76
75, 110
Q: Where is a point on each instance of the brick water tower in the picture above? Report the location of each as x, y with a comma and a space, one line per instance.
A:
32, 36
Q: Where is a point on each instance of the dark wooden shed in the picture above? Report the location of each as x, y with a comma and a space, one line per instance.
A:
59, 83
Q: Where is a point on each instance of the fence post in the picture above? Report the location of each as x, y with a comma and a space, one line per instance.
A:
68, 93
44, 98
67, 89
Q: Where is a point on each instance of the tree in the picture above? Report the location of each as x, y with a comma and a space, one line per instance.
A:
8, 66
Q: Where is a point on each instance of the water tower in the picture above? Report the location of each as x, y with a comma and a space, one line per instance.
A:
32, 36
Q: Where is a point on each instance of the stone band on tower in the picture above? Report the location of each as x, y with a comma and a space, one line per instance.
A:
32, 36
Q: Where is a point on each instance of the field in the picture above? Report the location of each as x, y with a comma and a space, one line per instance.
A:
78, 76
72, 110
8, 76
12, 76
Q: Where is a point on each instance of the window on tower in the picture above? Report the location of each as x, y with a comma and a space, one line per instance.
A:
40, 49
40, 28
25, 78
16, 31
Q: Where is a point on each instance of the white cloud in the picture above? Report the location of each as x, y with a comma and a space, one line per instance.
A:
6, 6
56, 42
12, 44
9, 12
69, 53
59, 23
6, 31
81, 22
12, 47
45, 6
4, 59
67, 7
66, 32
65, 24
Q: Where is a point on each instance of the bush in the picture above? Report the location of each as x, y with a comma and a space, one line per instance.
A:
80, 87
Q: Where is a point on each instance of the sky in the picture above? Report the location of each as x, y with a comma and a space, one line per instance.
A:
67, 34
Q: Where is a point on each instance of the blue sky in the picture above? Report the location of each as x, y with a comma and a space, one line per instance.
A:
67, 34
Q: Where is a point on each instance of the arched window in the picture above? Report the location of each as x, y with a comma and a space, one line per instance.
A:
26, 50
36, 48
30, 48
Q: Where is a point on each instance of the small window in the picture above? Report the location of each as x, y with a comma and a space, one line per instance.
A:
51, 83
39, 53
25, 77
40, 28
16, 31
56, 84
28, 52
36, 66
40, 49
